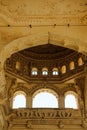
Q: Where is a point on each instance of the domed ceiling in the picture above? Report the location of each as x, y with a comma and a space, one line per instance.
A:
48, 56
46, 52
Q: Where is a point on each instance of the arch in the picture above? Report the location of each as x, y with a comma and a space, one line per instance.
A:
45, 98
19, 100
63, 69
55, 71
80, 61
33, 40
18, 65
34, 71
44, 71
71, 100
72, 65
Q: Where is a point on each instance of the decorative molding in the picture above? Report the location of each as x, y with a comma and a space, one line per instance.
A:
45, 113
44, 13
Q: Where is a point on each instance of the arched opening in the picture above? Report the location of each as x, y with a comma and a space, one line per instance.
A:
80, 61
72, 65
44, 71
71, 100
19, 100
15, 48
18, 65
63, 69
45, 98
34, 71
55, 71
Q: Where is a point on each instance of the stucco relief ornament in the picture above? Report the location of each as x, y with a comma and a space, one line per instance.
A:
60, 124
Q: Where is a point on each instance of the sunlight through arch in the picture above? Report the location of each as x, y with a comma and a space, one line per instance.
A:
45, 99
19, 100
71, 100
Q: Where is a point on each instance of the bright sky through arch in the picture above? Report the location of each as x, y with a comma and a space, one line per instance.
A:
19, 101
70, 101
45, 100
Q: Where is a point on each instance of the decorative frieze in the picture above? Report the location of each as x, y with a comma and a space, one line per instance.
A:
44, 12
31, 117
45, 113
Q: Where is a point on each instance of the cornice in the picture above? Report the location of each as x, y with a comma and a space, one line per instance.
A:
64, 20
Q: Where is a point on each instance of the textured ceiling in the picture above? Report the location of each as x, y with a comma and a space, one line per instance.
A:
60, 11
46, 51
40, 7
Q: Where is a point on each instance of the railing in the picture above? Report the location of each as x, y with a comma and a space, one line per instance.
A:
47, 113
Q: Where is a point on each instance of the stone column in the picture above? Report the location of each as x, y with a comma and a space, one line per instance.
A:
29, 101
61, 101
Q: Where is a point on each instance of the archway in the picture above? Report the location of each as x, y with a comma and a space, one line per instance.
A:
19, 100
45, 98
71, 100
30, 41
35, 40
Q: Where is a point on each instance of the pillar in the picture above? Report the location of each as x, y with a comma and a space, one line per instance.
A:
29, 101
61, 101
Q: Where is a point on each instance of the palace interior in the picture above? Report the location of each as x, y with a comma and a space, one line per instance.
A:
43, 58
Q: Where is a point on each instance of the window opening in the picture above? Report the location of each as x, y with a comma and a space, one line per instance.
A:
80, 61
34, 71
44, 71
19, 100
18, 65
55, 71
45, 100
63, 69
72, 65
71, 101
